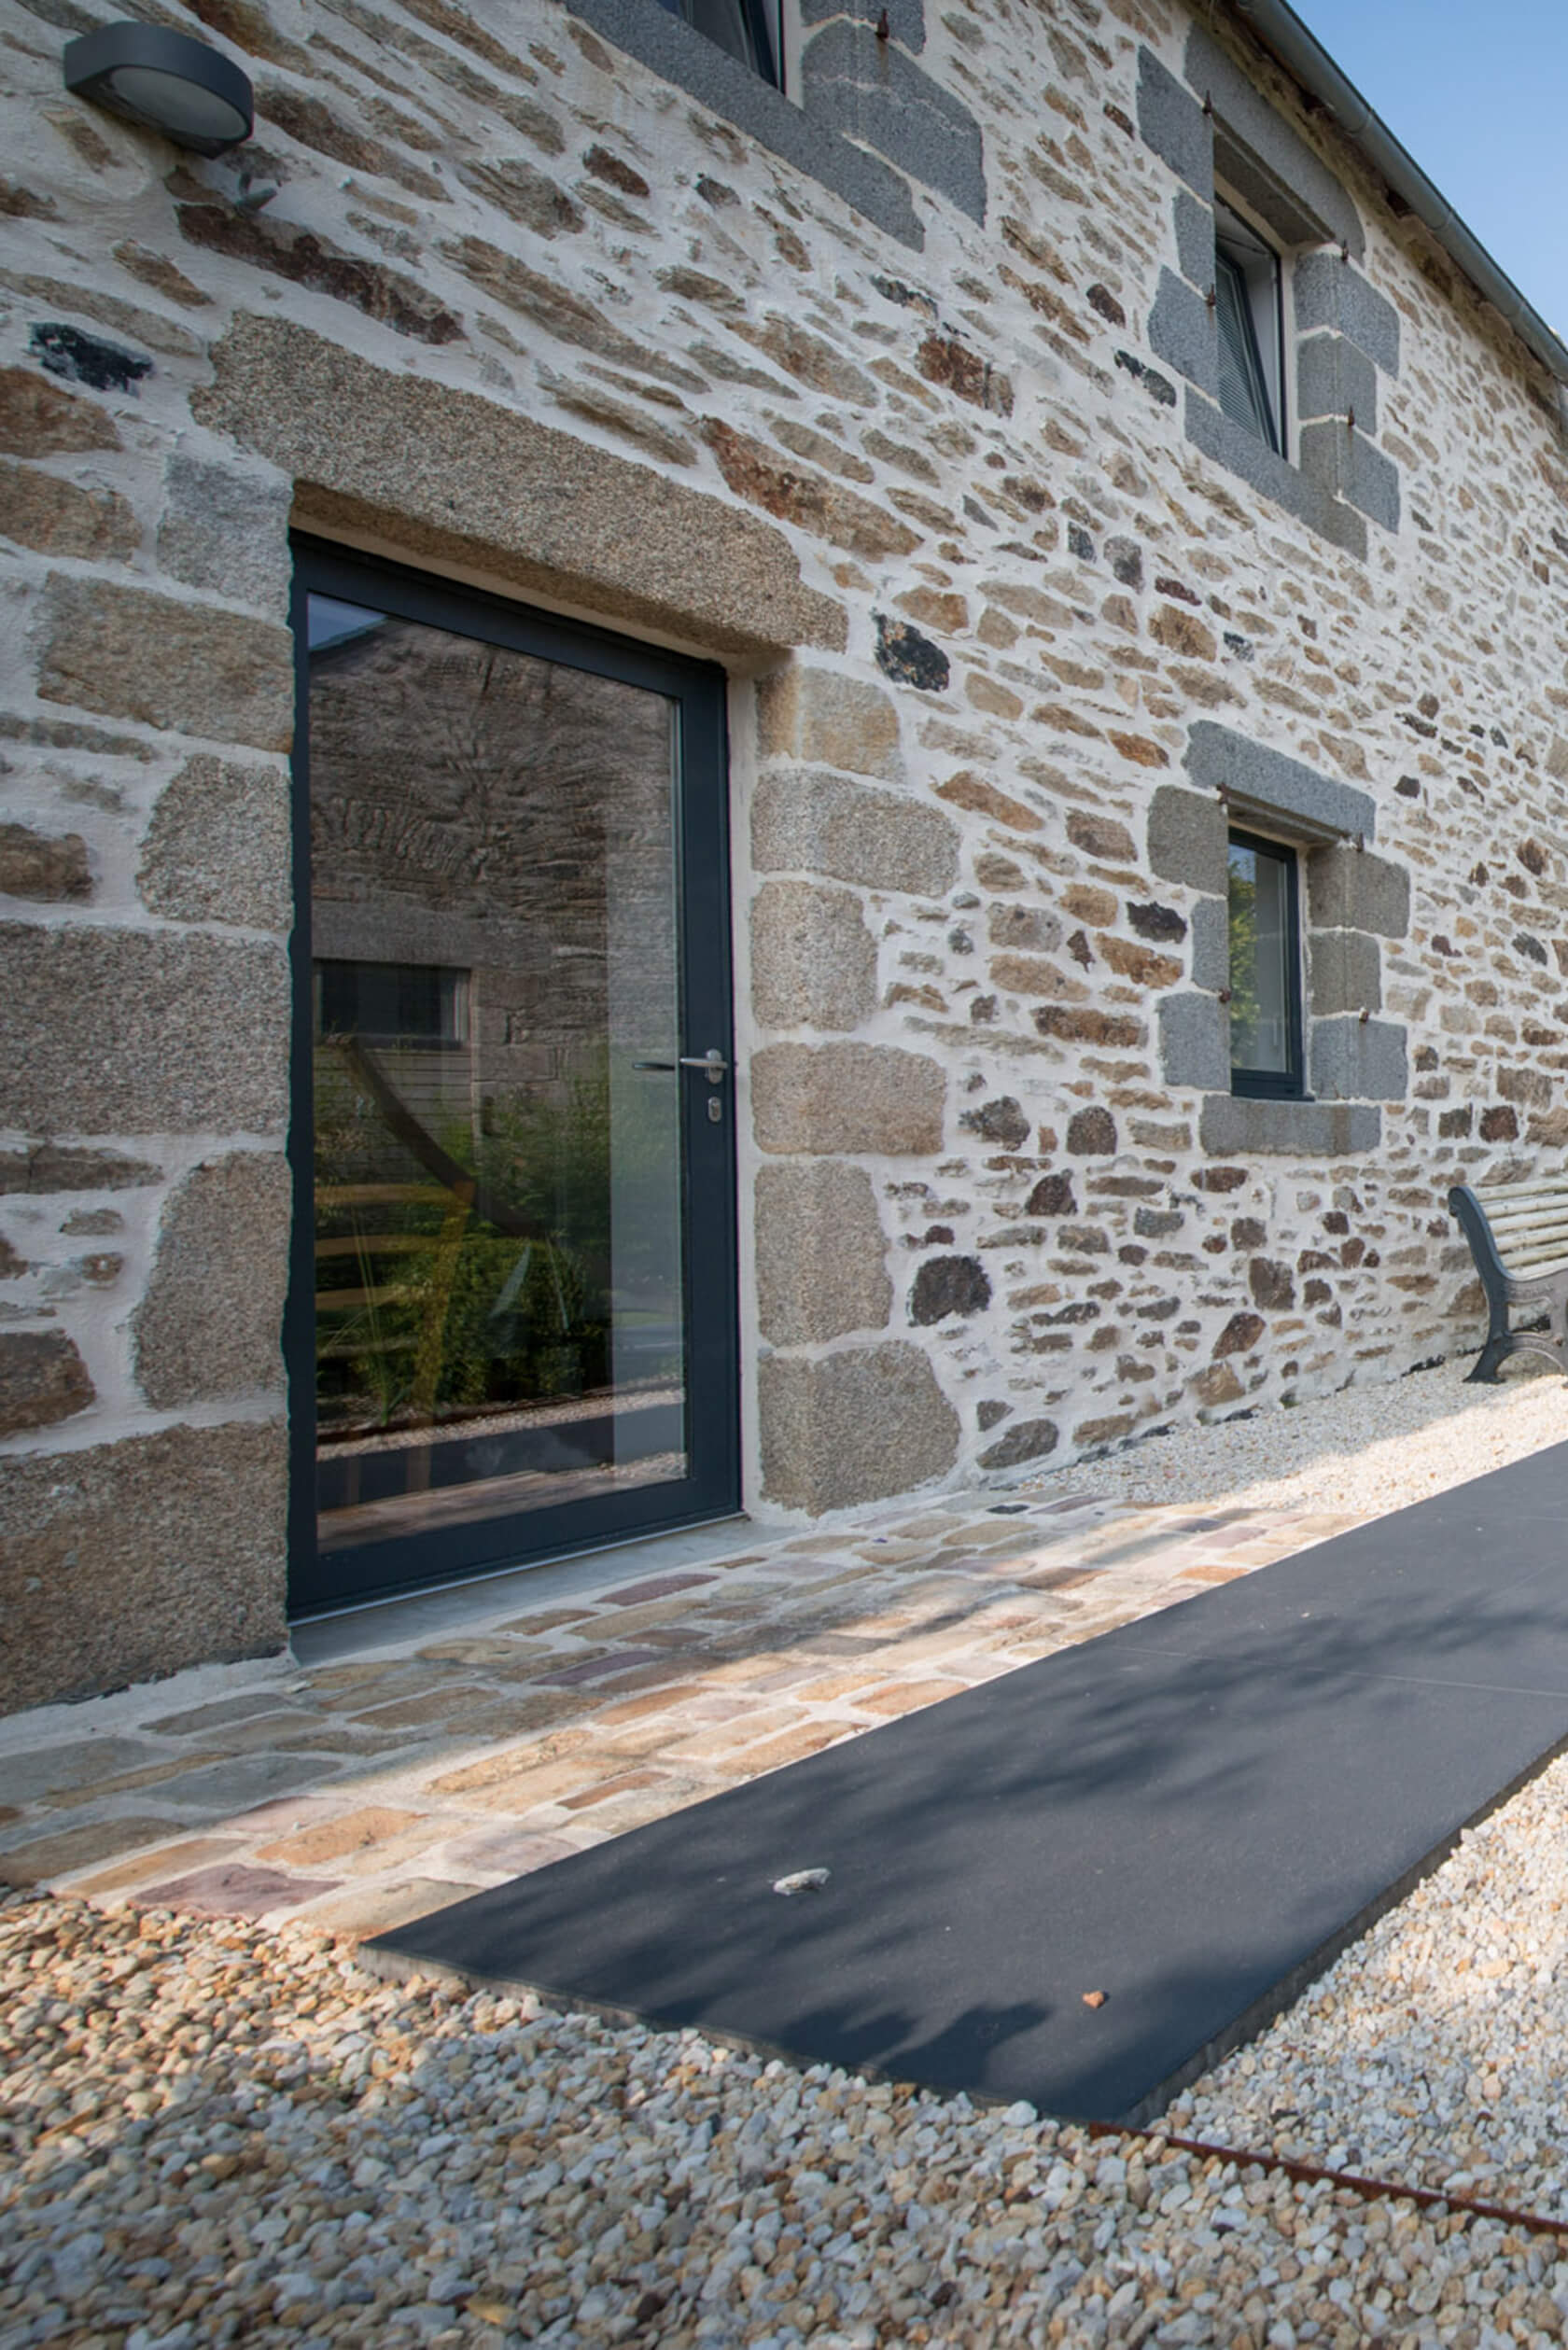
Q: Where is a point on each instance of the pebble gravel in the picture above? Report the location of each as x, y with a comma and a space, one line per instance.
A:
214, 2135
1366, 1450
1436, 2050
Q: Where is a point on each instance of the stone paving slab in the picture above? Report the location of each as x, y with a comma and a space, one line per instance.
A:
496, 1735
1079, 1884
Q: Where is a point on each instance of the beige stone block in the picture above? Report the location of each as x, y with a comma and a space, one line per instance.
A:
845, 1099
40, 419
380, 1907
967, 789
212, 1314
373, 1839
196, 1851
129, 1560
41, 510
43, 1379
810, 500
45, 1167
907, 1697
795, 1746
822, 1253
852, 1427
188, 667
218, 848
821, 715
463, 481
813, 959
808, 820
34, 865
137, 1033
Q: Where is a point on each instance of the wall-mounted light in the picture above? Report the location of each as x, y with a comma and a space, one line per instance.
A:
175, 84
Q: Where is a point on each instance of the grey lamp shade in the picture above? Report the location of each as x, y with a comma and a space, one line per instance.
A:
190, 92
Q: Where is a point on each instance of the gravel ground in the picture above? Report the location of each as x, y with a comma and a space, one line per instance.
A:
1366, 1450
1435, 2051
213, 2134
220, 2135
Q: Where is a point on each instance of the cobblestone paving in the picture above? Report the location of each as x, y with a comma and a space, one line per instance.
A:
362, 1792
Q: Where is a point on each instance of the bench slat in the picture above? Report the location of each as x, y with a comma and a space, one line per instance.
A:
1532, 1261
1519, 1237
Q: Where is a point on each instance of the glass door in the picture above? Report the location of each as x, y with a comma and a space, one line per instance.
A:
513, 1326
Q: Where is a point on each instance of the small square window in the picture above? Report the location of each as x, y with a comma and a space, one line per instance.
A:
748, 29
1249, 312
421, 1004
1266, 1056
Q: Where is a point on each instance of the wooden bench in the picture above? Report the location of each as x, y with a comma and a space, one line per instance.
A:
1519, 1237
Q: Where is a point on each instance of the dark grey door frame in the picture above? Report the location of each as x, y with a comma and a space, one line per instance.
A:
711, 1488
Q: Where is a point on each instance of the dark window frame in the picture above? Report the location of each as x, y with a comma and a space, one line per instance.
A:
1287, 1084
401, 1565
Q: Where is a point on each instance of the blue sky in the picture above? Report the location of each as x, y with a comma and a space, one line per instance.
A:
1478, 91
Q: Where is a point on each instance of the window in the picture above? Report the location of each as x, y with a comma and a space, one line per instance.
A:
748, 29
393, 1003
1251, 322
1265, 1057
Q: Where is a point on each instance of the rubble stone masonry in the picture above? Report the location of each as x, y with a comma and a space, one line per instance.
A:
895, 394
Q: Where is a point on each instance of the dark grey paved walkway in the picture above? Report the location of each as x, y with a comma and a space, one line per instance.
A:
1190, 1814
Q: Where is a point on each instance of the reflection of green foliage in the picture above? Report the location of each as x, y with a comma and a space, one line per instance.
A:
449, 1312
1244, 1006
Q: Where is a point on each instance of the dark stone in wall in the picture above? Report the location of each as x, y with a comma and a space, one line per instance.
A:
1052, 1197
987, 1414
282, 250
1031, 1440
1126, 558
85, 358
1000, 1121
1271, 1285
1174, 124
873, 93
1092, 1134
1499, 1124
1240, 1334
949, 1285
903, 654
1157, 922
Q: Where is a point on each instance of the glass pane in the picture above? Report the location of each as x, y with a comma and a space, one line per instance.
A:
1260, 948
1242, 395
500, 1285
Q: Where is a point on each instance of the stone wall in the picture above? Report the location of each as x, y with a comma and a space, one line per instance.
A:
872, 396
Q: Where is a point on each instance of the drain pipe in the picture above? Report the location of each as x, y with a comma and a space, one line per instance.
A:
1281, 30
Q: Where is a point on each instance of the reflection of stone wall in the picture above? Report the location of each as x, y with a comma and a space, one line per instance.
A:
475, 806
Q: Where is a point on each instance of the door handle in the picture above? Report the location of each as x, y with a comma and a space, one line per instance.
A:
712, 1063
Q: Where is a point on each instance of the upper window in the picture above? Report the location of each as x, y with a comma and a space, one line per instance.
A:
1266, 1056
748, 29
1247, 296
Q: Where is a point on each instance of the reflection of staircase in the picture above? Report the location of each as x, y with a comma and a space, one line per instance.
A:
368, 1246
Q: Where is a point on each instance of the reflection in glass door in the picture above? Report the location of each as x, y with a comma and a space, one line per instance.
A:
512, 1038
